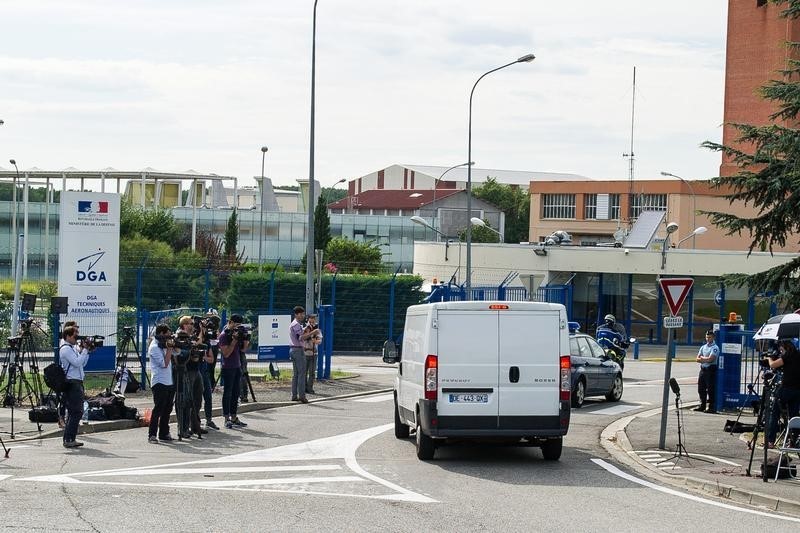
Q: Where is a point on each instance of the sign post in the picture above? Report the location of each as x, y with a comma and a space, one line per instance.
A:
675, 291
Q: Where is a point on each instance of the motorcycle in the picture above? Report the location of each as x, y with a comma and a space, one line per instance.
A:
614, 345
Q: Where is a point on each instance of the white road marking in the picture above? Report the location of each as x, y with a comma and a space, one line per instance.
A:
4, 477
339, 447
376, 398
614, 410
228, 470
649, 453
270, 481
617, 472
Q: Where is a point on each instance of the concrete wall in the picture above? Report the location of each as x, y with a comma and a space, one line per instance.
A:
491, 262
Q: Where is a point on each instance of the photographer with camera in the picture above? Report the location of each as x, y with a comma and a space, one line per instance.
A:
233, 341
193, 353
310, 348
209, 328
73, 359
787, 360
297, 337
62, 406
160, 353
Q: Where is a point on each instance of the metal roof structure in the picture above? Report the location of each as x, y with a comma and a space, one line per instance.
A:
508, 177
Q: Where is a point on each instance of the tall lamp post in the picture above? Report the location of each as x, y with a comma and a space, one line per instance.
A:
310, 244
524, 59
436, 184
672, 227
694, 202
264, 150
14, 212
475, 221
696, 231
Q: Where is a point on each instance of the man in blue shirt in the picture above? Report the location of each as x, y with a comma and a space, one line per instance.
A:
72, 359
296, 339
231, 345
707, 380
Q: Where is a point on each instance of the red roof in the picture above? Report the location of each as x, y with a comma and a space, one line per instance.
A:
392, 199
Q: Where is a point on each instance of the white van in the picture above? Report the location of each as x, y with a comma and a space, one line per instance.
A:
483, 370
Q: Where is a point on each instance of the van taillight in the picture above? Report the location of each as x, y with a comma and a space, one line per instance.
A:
565, 389
431, 377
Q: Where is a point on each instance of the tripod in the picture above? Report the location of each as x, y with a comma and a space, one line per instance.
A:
751, 391
680, 449
246, 384
6, 450
769, 396
18, 387
119, 380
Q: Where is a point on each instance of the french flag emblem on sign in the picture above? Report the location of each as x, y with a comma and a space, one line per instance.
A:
92, 207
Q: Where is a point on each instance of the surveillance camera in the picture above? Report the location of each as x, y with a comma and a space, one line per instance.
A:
672, 227
627, 251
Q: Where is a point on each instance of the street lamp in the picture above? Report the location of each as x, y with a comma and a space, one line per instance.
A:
421, 221
479, 222
672, 227
264, 150
524, 59
310, 244
436, 184
694, 200
14, 212
697, 231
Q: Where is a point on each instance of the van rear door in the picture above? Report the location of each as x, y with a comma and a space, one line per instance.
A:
467, 357
529, 367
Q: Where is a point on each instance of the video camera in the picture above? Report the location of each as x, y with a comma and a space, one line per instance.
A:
206, 326
25, 324
14, 343
91, 341
241, 333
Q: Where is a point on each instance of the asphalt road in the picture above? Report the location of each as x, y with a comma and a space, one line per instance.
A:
336, 466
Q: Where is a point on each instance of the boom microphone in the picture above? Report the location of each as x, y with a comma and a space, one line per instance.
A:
673, 384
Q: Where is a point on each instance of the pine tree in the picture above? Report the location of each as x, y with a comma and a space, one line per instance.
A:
768, 179
322, 225
231, 236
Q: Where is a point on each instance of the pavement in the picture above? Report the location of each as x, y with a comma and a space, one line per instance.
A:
269, 395
633, 441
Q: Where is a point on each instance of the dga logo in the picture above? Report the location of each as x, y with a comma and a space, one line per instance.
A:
89, 262
86, 206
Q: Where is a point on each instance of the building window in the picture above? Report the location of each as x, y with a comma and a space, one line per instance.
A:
613, 200
647, 202
590, 206
558, 206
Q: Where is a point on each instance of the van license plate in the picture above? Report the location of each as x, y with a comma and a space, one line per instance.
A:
469, 398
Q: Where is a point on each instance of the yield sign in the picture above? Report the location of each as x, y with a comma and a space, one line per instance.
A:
675, 291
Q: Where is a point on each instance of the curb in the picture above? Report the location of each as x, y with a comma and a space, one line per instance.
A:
117, 425
615, 441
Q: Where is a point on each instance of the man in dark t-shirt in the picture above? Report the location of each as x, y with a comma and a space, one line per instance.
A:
789, 395
231, 346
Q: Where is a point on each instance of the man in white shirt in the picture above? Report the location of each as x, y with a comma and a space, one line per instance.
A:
73, 359
160, 353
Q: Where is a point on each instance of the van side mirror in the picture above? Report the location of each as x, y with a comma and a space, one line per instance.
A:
391, 354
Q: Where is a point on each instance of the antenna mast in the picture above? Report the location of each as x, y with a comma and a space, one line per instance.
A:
630, 155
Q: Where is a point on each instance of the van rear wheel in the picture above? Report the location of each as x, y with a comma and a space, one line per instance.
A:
425, 445
551, 449
400, 429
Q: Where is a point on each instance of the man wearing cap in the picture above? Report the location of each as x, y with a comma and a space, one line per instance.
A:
231, 346
707, 356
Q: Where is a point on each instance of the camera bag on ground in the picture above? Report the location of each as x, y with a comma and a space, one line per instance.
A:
785, 473
112, 406
734, 426
132, 385
96, 414
43, 414
130, 413
55, 377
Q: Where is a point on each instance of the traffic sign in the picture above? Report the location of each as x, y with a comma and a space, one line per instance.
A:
671, 322
675, 291
718, 297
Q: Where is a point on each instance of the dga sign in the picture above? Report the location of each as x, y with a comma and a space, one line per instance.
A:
273, 337
88, 270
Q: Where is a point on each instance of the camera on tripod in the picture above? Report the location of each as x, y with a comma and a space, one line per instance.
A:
14, 343
208, 326
91, 341
25, 325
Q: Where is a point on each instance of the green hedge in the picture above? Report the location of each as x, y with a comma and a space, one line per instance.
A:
361, 320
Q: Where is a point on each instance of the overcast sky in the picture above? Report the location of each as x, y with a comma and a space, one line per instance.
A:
202, 84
